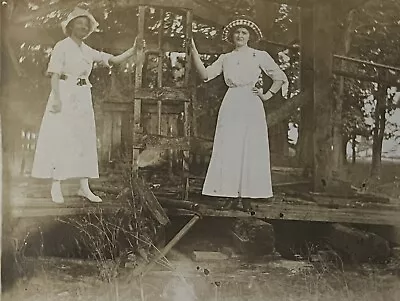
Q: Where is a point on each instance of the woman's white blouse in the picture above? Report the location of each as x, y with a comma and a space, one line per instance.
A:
71, 59
243, 67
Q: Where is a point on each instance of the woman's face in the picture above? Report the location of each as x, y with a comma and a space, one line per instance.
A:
241, 36
80, 27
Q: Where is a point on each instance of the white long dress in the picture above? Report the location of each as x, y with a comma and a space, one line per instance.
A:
67, 144
240, 161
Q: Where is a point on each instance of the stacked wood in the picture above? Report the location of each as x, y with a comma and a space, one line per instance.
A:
358, 245
253, 237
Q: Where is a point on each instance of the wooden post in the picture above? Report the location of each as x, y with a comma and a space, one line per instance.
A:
323, 123
187, 121
160, 68
137, 127
106, 144
306, 128
1, 147
1, 189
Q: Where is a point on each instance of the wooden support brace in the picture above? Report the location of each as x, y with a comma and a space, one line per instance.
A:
171, 244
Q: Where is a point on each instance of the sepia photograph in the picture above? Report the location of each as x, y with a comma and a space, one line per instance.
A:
200, 150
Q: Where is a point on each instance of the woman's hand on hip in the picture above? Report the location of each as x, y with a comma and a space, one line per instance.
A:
259, 93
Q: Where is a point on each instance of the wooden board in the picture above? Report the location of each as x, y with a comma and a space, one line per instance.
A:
276, 209
166, 94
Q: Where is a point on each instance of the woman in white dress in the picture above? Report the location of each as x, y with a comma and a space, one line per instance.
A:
66, 146
239, 168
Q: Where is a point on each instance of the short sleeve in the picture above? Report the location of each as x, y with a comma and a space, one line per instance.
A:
272, 69
100, 56
57, 59
215, 68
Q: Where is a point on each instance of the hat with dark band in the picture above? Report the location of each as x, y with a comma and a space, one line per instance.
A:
244, 21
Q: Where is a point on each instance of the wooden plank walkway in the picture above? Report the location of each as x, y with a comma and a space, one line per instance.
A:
32, 199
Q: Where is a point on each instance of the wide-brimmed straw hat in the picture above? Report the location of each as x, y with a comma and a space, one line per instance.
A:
241, 21
80, 11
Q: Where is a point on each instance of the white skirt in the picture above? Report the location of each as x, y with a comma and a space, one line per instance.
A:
240, 161
67, 144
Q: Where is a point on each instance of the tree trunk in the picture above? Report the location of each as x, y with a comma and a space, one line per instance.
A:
353, 149
324, 30
344, 38
378, 131
304, 147
345, 140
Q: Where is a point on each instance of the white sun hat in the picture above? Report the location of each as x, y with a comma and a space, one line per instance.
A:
80, 12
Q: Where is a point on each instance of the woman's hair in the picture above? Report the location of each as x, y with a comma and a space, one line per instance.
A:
233, 30
68, 28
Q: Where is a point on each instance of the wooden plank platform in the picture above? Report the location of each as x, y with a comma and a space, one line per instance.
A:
31, 198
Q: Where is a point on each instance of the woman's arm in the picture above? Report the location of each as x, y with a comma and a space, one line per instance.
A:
118, 59
198, 63
279, 78
55, 90
275, 87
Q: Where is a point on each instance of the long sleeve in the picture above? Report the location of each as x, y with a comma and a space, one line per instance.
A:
215, 68
271, 68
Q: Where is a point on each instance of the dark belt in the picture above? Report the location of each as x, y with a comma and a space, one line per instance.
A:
79, 81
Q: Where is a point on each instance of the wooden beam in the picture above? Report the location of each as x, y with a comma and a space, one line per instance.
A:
392, 80
323, 96
364, 62
165, 94
200, 9
162, 142
285, 110
277, 208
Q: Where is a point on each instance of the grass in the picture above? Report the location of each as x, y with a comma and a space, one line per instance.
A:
307, 283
